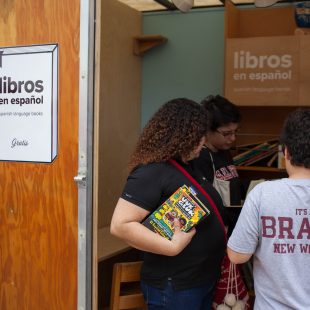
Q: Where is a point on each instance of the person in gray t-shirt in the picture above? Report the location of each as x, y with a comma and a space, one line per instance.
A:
274, 226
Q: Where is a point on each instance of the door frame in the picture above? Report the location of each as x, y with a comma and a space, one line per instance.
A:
84, 176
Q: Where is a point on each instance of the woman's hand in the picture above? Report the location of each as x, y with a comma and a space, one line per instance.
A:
180, 239
126, 225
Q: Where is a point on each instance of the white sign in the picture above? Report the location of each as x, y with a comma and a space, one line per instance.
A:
29, 103
263, 70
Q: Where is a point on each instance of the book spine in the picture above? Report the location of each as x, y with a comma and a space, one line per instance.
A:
281, 159
255, 153
260, 156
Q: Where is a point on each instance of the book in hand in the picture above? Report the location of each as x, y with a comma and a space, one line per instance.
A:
184, 205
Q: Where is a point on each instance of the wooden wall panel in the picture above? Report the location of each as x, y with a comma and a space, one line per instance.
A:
120, 88
231, 20
274, 21
257, 22
256, 124
38, 202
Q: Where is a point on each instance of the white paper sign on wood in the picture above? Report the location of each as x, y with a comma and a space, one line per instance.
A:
29, 103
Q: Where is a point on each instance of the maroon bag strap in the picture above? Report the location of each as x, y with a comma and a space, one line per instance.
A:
203, 192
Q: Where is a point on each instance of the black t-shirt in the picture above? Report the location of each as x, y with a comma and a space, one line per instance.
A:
199, 263
224, 170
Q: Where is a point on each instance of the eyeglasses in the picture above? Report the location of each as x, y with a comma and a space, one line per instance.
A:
227, 134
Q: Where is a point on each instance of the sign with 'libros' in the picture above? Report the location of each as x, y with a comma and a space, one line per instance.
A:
29, 103
267, 70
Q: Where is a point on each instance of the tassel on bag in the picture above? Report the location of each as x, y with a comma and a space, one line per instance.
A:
231, 293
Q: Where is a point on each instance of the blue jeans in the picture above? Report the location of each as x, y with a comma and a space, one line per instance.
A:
197, 298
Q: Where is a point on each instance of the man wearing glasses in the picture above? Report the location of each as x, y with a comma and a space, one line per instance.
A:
215, 163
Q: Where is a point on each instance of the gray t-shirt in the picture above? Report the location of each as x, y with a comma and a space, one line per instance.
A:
274, 224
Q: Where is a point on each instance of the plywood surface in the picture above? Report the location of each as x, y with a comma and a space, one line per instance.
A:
261, 123
254, 22
108, 245
120, 91
38, 202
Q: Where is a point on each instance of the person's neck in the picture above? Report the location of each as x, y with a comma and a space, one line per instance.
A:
298, 172
211, 147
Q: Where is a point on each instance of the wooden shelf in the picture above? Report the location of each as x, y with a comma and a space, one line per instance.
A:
255, 172
257, 168
144, 43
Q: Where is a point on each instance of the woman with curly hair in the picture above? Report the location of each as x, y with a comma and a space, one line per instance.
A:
180, 273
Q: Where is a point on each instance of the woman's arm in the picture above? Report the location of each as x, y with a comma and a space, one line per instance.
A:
126, 225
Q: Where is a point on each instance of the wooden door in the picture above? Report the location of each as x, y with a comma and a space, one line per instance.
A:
39, 202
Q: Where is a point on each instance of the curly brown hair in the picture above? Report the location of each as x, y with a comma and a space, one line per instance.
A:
174, 131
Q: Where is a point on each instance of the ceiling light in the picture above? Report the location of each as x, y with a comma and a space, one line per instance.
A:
183, 5
264, 3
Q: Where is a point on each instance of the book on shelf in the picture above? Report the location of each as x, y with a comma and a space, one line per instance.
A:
257, 153
281, 159
247, 146
250, 152
183, 205
253, 183
260, 156
272, 160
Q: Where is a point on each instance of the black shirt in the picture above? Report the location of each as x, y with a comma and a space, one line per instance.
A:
199, 263
224, 170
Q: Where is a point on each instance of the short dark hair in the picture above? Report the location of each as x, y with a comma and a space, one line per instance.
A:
296, 137
220, 111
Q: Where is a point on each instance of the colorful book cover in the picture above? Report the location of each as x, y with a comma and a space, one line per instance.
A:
184, 205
